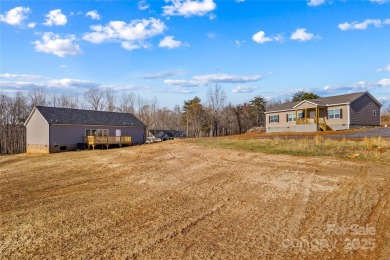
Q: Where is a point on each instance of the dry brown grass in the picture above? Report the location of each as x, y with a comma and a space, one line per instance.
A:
178, 200
367, 149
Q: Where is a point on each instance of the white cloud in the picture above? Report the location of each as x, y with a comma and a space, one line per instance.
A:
31, 25
70, 83
384, 82
361, 26
260, 37
204, 80
131, 35
189, 8
240, 1
162, 75
169, 42
55, 17
65, 84
301, 35
243, 89
94, 15
184, 83
212, 16
315, 2
387, 68
15, 16
355, 87
143, 5
53, 44
19, 76
380, 1
227, 78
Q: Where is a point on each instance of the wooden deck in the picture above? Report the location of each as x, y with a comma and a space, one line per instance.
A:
106, 140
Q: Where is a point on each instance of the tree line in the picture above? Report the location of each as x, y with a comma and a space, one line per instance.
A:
214, 116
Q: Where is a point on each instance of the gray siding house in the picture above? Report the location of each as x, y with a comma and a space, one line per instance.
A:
51, 129
329, 113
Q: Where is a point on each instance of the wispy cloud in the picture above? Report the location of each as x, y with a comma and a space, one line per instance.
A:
162, 75
53, 44
315, 2
355, 87
184, 83
94, 15
20, 76
143, 5
387, 68
377, 23
227, 78
244, 89
188, 8
59, 84
380, 1
204, 80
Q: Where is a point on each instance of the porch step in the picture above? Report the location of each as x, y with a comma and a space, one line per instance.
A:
324, 127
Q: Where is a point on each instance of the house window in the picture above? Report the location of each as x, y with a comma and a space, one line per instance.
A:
374, 112
274, 119
300, 114
334, 113
96, 132
291, 118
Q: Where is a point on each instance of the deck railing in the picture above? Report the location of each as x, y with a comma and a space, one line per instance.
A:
305, 121
106, 140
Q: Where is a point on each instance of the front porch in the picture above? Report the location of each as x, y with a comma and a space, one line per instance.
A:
106, 140
314, 116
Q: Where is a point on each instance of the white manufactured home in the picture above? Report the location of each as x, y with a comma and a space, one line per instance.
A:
329, 113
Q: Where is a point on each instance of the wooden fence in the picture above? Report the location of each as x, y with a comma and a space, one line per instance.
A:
12, 139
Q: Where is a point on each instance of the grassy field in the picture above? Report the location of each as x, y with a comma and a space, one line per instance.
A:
198, 200
369, 149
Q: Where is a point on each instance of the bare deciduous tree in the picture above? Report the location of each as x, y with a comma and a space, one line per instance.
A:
128, 103
37, 97
216, 99
94, 97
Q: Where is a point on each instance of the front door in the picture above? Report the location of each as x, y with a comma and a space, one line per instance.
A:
118, 134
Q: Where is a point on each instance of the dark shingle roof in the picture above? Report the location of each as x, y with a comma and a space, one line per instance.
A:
55, 115
169, 133
341, 99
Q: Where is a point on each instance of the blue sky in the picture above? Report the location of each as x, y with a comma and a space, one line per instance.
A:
176, 50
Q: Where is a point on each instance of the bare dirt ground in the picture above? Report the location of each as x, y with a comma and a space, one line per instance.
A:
178, 200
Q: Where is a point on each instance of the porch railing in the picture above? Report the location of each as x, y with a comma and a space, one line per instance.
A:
305, 121
95, 140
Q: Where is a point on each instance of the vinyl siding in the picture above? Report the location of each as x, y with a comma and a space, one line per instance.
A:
305, 105
73, 134
361, 112
339, 123
37, 130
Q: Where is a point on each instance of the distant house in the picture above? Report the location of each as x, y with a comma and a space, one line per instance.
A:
322, 114
167, 134
50, 129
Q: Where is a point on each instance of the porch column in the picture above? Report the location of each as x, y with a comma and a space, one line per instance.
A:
305, 116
